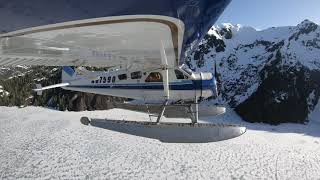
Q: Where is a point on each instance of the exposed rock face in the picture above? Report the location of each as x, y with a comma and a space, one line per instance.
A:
269, 76
284, 96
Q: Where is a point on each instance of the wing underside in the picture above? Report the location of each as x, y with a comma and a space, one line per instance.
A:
102, 42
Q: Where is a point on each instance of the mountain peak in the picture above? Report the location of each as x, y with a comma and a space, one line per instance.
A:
307, 21
263, 73
307, 26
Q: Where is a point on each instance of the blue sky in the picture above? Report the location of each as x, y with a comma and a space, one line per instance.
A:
262, 14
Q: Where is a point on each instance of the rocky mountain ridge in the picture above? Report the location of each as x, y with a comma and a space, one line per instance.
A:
268, 76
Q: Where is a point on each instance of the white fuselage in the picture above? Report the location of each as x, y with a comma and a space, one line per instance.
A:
136, 85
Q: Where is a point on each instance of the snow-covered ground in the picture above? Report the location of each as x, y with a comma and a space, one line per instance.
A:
38, 143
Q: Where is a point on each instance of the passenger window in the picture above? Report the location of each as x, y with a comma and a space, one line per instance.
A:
179, 74
154, 77
109, 79
122, 76
104, 79
92, 82
113, 79
136, 75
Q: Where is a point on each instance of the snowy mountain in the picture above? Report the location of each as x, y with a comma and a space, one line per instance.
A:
270, 76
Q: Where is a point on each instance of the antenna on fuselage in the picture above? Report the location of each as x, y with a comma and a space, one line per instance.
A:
216, 75
215, 70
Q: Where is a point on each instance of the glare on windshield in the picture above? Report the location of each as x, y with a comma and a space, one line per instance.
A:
186, 69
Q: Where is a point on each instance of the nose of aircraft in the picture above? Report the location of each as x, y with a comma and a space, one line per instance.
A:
207, 83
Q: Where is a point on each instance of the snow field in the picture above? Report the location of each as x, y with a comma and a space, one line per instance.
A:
38, 143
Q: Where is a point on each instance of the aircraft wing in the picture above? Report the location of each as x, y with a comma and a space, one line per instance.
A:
101, 42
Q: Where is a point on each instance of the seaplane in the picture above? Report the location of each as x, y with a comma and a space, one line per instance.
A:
142, 43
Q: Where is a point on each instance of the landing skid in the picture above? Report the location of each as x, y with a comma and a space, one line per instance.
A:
170, 132
173, 111
193, 132
191, 109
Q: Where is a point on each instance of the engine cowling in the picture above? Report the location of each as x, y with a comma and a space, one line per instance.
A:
205, 85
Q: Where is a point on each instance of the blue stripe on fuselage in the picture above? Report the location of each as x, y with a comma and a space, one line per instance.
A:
191, 85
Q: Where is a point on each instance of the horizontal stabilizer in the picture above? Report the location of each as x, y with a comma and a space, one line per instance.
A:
39, 88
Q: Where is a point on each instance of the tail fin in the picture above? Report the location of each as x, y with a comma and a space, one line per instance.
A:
67, 73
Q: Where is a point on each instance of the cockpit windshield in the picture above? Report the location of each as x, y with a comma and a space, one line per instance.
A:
186, 69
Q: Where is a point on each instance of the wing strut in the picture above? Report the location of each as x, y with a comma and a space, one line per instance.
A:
165, 72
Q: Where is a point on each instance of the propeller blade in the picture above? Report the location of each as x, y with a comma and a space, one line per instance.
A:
215, 69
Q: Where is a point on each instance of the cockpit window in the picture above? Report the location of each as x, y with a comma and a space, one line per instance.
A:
179, 74
136, 75
122, 76
154, 77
